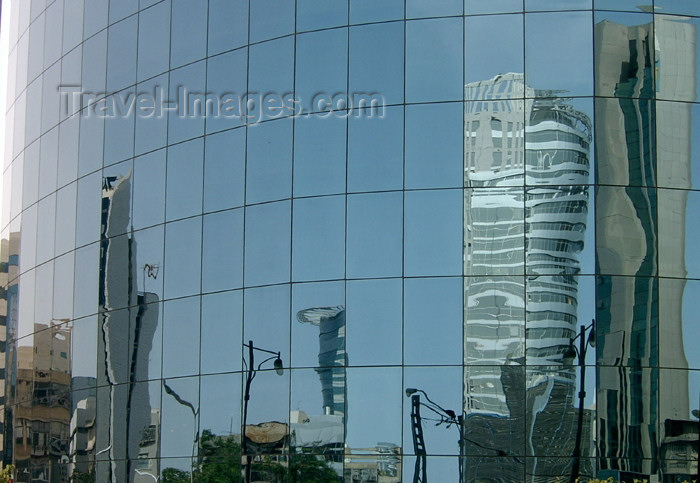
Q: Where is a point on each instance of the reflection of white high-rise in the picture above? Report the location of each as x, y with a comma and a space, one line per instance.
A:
526, 157
525, 210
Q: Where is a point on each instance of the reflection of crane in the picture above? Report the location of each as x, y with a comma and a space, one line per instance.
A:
150, 270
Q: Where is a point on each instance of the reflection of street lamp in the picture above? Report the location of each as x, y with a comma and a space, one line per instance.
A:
448, 417
251, 372
570, 353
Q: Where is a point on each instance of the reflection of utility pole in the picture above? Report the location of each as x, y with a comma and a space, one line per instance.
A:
251, 372
570, 353
419, 474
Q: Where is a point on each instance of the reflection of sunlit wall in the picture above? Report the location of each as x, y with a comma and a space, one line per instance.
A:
641, 143
526, 163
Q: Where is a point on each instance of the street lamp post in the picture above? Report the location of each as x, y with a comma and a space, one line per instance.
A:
251, 372
580, 353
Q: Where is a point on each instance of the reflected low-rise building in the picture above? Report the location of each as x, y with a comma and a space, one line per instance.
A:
432, 199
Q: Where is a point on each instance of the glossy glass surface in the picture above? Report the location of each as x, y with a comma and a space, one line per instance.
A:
445, 282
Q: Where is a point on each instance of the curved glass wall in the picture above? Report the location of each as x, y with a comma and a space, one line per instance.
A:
351, 240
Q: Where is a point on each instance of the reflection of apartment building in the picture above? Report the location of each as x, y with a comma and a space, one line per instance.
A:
525, 210
9, 264
42, 413
641, 143
380, 464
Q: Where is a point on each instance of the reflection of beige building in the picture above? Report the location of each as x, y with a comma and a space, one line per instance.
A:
42, 411
641, 143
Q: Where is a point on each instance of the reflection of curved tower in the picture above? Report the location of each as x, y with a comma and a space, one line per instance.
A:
331, 354
641, 143
526, 160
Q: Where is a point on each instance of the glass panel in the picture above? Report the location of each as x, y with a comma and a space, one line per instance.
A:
374, 235
154, 40
434, 146
189, 21
318, 14
123, 9
269, 161
558, 142
270, 19
437, 387
677, 139
28, 239
43, 305
318, 338
375, 333
627, 5
433, 321
318, 238
364, 11
119, 127
433, 243
557, 52
219, 421
84, 353
434, 60
48, 163
437, 8
682, 7
184, 179
267, 243
148, 245
626, 237
63, 286
86, 281
121, 54
181, 331
494, 6
68, 150
319, 166
187, 88
227, 85
625, 63
266, 322
151, 124
637, 424
375, 151
222, 329
376, 60
73, 11
676, 38
91, 148
179, 433
46, 223
26, 324
143, 418
678, 303
228, 25
71, 74
222, 251
53, 34
183, 245
373, 421
149, 189
89, 206
313, 77
224, 170
116, 199
35, 60
50, 98
535, 5
676, 236
94, 67
30, 175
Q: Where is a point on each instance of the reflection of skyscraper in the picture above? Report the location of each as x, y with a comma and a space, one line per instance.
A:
331, 354
128, 321
526, 163
642, 143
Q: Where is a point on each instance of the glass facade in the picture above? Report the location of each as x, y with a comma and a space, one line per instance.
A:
351, 240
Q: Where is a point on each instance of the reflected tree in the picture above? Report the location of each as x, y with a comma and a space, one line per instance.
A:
220, 462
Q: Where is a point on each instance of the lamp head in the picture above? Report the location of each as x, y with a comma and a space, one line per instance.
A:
279, 368
410, 391
569, 354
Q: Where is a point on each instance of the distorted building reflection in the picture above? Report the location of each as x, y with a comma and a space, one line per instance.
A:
126, 423
9, 291
522, 250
